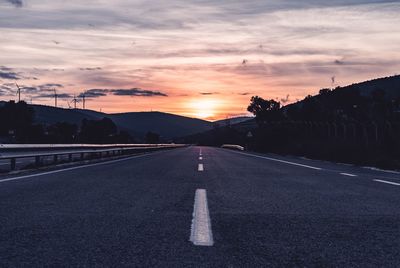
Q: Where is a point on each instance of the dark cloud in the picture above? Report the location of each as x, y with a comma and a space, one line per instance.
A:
244, 93
7, 89
96, 92
208, 93
16, 3
49, 87
90, 69
9, 75
137, 92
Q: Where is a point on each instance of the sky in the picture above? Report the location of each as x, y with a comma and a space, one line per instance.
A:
197, 58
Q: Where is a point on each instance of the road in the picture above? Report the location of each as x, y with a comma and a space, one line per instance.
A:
255, 211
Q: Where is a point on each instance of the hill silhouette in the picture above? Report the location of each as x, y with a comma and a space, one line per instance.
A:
136, 123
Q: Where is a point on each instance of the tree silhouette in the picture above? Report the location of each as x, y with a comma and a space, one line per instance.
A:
264, 110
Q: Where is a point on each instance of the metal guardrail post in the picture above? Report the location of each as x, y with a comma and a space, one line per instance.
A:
13, 163
55, 158
70, 158
82, 156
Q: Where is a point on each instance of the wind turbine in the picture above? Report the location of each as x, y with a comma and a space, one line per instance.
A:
75, 100
83, 100
18, 92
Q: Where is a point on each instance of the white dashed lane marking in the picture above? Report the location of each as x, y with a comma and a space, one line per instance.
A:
348, 174
201, 232
201, 167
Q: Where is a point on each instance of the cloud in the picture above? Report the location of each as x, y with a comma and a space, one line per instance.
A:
9, 75
16, 3
245, 93
208, 93
137, 92
94, 93
90, 69
8, 89
49, 87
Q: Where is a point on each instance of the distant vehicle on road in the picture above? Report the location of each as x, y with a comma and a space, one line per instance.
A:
233, 147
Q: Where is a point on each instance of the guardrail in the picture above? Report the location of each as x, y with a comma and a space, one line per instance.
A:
233, 146
26, 147
85, 151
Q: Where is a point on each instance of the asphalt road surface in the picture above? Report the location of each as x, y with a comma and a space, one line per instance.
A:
251, 210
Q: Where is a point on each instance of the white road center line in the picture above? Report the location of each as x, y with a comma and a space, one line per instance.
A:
201, 167
278, 160
388, 182
348, 174
201, 233
200, 158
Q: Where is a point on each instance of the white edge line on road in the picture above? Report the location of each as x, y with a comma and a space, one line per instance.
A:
201, 232
73, 168
348, 174
201, 167
388, 182
382, 170
278, 160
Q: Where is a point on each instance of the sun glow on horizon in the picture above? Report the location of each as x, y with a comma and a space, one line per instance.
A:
204, 109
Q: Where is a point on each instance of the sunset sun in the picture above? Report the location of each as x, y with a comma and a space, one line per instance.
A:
204, 108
